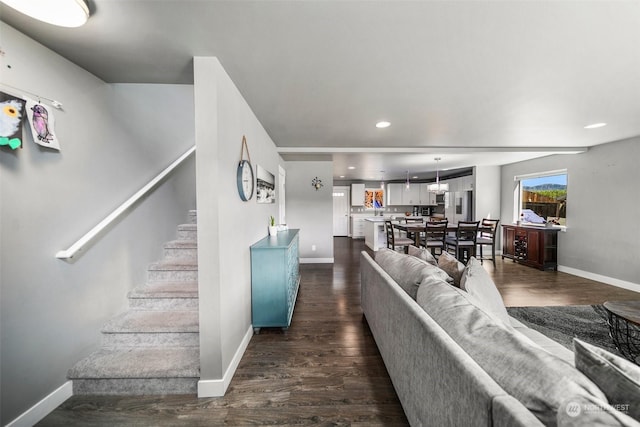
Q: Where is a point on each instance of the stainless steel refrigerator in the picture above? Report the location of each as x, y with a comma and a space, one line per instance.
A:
458, 206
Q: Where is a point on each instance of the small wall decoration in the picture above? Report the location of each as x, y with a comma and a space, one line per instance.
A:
266, 184
374, 199
11, 113
244, 174
42, 124
317, 183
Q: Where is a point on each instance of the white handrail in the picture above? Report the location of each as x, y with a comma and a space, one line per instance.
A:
77, 246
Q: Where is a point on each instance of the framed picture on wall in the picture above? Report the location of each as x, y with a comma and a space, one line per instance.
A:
265, 185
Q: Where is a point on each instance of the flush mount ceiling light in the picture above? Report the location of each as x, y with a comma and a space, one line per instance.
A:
383, 124
63, 13
595, 126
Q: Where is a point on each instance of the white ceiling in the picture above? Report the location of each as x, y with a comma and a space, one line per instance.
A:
473, 82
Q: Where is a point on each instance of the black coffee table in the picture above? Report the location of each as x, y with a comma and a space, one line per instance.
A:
624, 327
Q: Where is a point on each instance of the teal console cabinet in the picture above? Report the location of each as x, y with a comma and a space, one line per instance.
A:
275, 278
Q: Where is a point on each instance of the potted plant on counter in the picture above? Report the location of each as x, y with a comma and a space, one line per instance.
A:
273, 230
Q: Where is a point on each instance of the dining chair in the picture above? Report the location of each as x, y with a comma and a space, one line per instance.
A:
487, 237
395, 240
435, 234
464, 242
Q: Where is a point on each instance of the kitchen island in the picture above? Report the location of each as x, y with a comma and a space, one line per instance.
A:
374, 236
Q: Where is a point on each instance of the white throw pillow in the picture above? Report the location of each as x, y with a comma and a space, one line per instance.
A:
477, 282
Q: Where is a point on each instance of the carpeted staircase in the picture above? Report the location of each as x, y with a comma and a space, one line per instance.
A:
153, 348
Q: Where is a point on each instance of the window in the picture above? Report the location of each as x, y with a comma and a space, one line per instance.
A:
541, 198
374, 199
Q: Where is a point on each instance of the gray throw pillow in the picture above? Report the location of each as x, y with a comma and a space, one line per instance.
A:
477, 282
583, 411
538, 379
407, 271
451, 266
618, 378
423, 254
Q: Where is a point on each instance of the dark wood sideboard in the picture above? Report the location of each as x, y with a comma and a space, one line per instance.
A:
531, 245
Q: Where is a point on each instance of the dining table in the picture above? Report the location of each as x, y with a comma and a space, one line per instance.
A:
416, 228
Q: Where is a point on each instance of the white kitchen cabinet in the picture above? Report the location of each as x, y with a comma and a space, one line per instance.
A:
411, 195
394, 194
357, 194
427, 198
357, 226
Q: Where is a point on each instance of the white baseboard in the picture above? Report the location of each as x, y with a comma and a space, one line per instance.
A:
217, 388
316, 260
600, 278
41, 409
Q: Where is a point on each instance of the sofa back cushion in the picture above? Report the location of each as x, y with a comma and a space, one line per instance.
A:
407, 271
539, 380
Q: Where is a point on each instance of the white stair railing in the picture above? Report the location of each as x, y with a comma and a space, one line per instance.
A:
91, 234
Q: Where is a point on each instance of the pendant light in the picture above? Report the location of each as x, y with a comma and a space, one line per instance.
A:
408, 184
437, 187
63, 13
382, 180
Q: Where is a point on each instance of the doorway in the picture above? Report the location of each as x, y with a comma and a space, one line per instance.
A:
341, 210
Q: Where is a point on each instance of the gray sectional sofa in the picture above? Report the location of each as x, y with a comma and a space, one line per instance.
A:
456, 358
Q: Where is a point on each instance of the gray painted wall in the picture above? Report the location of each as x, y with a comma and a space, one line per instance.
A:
309, 210
227, 226
114, 139
602, 207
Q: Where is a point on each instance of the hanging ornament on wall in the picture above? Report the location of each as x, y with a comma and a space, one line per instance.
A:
317, 183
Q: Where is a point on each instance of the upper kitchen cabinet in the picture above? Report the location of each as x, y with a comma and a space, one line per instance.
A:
357, 194
411, 195
427, 197
394, 194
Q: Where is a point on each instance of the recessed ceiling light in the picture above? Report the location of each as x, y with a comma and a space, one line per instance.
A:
383, 124
68, 13
341, 176
595, 126
351, 167
414, 177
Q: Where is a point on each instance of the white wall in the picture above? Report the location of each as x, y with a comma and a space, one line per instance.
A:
603, 232
311, 211
114, 139
227, 226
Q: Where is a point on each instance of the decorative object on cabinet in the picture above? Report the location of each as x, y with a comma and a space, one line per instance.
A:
275, 279
273, 230
535, 246
266, 184
317, 183
244, 175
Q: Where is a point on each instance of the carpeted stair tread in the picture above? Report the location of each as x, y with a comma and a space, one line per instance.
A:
181, 244
166, 290
153, 321
132, 362
174, 265
188, 227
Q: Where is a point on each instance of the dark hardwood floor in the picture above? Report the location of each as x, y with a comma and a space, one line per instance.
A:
326, 369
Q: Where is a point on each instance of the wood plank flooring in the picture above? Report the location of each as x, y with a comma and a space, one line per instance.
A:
326, 369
